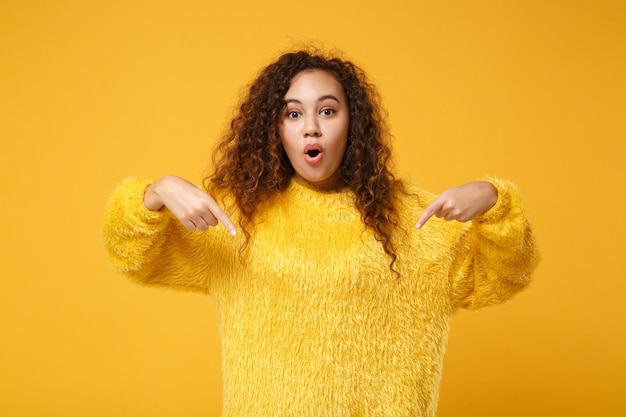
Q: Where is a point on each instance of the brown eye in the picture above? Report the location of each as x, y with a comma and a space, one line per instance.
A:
327, 112
293, 115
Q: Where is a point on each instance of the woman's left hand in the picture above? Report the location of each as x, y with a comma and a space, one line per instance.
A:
461, 203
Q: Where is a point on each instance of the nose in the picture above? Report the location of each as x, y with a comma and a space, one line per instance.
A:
312, 128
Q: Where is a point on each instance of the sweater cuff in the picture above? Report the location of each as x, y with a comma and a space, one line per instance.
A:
503, 205
131, 192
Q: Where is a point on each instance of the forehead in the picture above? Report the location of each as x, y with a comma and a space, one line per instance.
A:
314, 83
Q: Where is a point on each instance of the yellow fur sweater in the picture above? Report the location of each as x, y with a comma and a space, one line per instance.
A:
312, 320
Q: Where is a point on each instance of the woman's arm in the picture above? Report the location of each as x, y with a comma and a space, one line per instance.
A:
502, 253
494, 256
152, 244
462, 203
194, 208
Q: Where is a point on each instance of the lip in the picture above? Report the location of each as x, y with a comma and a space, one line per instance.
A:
313, 159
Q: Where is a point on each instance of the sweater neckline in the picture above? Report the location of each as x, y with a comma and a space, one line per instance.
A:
307, 194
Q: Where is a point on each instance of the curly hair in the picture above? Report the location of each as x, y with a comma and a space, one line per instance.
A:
251, 163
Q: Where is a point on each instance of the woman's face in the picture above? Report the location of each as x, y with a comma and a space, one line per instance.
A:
314, 128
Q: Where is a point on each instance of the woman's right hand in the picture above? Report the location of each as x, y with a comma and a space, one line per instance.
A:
194, 208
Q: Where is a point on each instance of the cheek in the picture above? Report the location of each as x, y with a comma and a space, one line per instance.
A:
342, 129
342, 137
288, 149
286, 137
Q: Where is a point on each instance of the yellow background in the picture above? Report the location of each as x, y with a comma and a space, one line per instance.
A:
94, 91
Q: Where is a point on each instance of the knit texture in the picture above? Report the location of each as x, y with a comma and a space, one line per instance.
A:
313, 322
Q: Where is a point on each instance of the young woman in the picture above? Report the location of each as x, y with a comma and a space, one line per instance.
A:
333, 281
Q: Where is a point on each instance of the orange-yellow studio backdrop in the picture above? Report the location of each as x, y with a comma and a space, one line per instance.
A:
94, 91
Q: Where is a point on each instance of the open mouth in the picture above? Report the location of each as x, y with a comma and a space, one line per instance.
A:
313, 153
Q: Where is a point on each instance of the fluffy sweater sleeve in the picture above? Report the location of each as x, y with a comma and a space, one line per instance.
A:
500, 254
153, 247
487, 260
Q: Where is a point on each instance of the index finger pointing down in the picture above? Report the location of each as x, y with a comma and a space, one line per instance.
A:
220, 215
428, 213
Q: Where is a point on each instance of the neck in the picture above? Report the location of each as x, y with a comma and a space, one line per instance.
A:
332, 183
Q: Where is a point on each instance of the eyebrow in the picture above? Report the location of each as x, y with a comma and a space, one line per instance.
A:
322, 98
